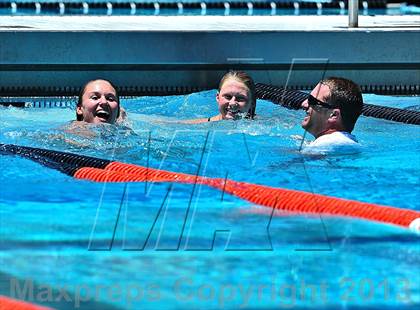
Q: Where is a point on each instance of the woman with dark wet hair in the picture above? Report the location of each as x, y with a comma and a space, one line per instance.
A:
98, 103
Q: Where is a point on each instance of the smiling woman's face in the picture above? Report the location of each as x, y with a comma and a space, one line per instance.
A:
233, 99
99, 103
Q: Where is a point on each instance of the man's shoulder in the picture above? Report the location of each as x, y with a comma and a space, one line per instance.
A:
338, 142
335, 138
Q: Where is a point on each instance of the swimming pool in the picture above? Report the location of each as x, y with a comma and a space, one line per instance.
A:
59, 232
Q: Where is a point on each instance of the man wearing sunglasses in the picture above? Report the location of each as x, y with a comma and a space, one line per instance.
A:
332, 110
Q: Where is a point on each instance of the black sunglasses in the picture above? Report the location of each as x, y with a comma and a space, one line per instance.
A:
313, 101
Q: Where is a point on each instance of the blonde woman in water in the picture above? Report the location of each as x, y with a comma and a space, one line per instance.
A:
235, 98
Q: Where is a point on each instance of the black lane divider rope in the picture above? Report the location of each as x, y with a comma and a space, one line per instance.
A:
67, 91
67, 163
292, 99
55, 91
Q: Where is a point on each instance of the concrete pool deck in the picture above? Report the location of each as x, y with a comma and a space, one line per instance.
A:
41, 52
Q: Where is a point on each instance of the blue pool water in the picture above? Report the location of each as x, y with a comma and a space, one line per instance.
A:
147, 246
